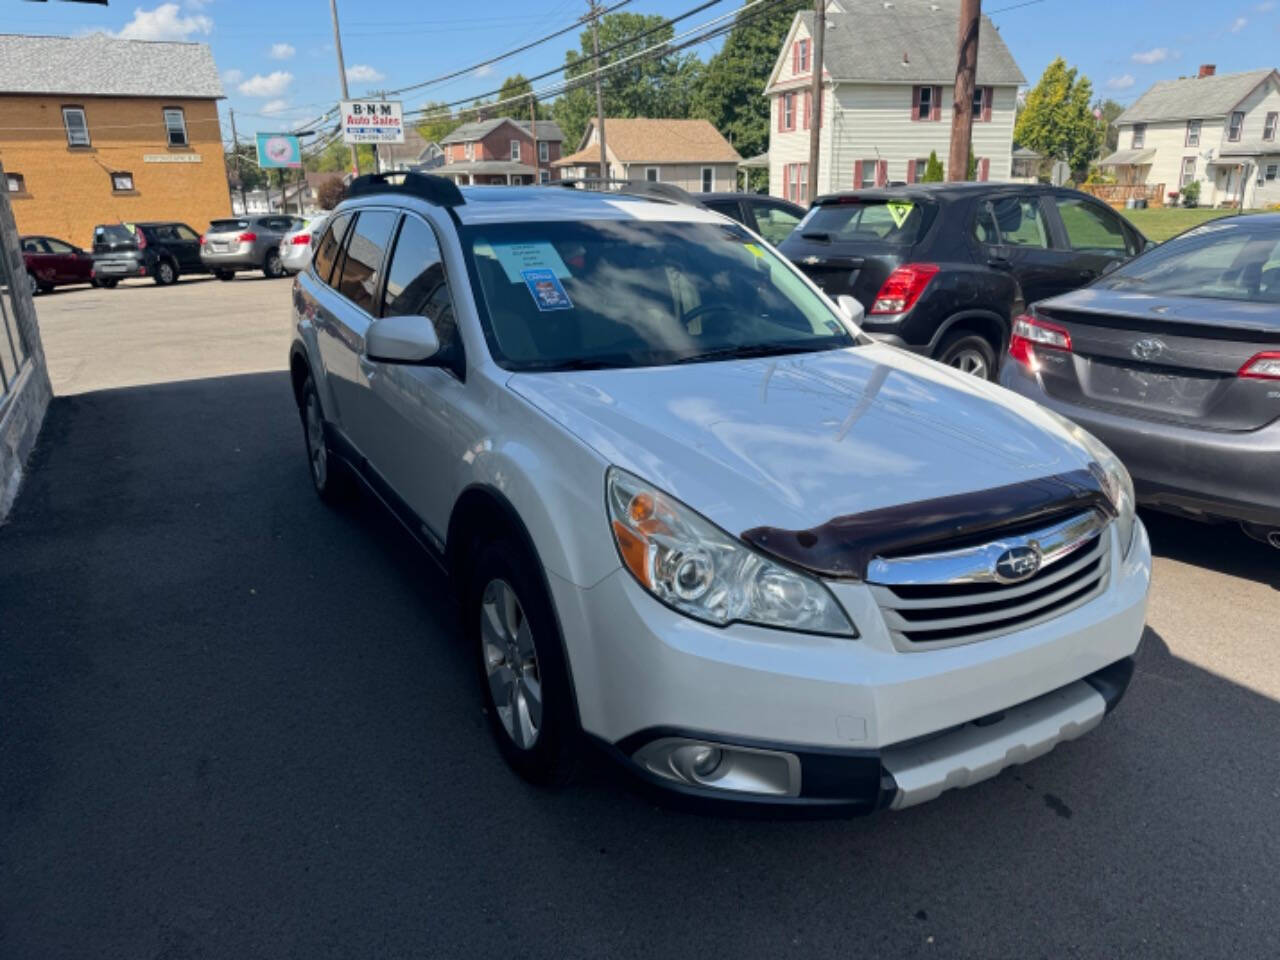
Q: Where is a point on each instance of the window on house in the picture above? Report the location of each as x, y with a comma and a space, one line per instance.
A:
803, 57
651, 174
802, 190
122, 182
1139, 135
1188, 171
867, 173
708, 179
544, 151
469, 151
919, 166
1193, 133
15, 182
515, 149
1236, 125
1269, 127
788, 111
77, 126
175, 126
1273, 169
924, 103
544, 176
981, 97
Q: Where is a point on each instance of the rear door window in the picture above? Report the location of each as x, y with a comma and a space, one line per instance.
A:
326, 254
1020, 221
362, 263
892, 222
773, 222
57, 246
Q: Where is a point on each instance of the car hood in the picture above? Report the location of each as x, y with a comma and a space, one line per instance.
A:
794, 441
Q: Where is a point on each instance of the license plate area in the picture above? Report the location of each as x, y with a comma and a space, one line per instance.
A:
1153, 388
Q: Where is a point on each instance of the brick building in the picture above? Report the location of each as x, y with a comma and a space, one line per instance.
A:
98, 130
501, 151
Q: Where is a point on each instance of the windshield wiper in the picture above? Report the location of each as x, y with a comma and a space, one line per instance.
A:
746, 351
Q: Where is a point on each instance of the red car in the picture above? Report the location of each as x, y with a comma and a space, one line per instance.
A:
54, 263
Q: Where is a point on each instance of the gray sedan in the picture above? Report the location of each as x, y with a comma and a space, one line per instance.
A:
246, 243
1173, 361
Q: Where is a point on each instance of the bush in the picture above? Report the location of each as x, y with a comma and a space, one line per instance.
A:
1191, 194
330, 193
933, 172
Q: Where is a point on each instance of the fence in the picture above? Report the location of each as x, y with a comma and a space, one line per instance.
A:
1117, 194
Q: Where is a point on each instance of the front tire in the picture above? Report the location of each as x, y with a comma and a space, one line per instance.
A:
273, 268
969, 352
166, 273
527, 695
225, 275
108, 284
329, 474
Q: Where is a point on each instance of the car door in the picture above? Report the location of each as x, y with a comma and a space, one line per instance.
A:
1024, 246
344, 312
774, 221
72, 264
730, 208
1095, 235
412, 439
186, 248
39, 260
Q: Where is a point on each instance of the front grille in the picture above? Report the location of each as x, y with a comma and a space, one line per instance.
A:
929, 615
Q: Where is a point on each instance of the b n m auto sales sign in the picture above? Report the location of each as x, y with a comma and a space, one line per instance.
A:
372, 121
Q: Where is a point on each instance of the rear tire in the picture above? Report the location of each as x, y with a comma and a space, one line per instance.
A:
329, 474
108, 284
46, 288
512, 629
970, 353
273, 267
166, 273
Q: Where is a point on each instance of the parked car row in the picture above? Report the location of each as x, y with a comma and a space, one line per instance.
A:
167, 250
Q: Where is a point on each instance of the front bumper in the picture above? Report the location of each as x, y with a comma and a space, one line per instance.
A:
1177, 468
871, 726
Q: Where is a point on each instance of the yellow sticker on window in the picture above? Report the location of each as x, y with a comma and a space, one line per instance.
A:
754, 249
900, 210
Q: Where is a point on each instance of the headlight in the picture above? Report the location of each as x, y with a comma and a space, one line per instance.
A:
1115, 480
690, 564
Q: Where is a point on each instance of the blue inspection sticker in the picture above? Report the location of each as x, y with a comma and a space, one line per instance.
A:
547, 292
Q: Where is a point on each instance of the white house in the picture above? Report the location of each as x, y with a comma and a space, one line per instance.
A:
1219, 129
888, 90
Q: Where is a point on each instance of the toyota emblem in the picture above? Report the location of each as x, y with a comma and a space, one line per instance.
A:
1148, 348
1017, 564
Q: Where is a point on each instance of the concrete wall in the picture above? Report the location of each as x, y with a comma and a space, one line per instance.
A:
69, 189
22, 408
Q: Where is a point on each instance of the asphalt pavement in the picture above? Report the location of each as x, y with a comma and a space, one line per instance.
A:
235, 723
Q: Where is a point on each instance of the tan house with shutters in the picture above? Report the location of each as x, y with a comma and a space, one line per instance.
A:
691, 154
887, 96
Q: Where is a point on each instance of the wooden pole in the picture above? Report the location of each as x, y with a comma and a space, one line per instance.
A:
342, 75
595, 43
815, 115
966, 79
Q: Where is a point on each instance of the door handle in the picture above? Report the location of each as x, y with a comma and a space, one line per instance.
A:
1000, 263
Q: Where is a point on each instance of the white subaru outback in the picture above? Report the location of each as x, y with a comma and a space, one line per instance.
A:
695, 516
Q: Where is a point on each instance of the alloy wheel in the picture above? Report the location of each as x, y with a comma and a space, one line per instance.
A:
315, 443
165, 271
970, 361
274, 266
511, 663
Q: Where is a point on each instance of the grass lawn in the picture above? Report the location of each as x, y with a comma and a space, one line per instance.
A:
1160, 225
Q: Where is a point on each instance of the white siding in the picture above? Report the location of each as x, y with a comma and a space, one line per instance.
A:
687, 176
1168, 139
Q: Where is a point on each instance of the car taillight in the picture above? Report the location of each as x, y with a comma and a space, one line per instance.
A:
1030, 332
247, 238
142, 240
202, 239
903, 287
1264, 366
301, 240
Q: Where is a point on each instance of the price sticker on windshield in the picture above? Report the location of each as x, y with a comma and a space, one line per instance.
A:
900, 210
547, 291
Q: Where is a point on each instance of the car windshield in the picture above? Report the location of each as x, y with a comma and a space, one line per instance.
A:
628, 293
899, 222
1235, 259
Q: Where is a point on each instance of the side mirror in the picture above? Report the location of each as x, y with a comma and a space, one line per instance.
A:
851, 308
407, 339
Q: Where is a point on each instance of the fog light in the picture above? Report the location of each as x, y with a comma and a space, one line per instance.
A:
698, 762
722, 767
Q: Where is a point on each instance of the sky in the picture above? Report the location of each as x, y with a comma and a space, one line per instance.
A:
279, 69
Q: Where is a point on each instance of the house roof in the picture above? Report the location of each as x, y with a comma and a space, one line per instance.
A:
643, 140
877, 42
1193, 97
1127, 158
479, 129
102, 66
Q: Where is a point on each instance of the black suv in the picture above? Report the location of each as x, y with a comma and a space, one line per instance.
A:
770, 217
162, 250
941, 269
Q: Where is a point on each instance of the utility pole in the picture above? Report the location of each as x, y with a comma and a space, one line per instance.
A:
533, 132
815, 114
342, 75
966, 75
235, 152
595, 44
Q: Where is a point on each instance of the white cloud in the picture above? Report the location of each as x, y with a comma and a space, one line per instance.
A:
165, 22
282, 51
232, 77
1123, 82
1238, 24
275, 106
271, 85
363, 73
1155, 55
484, 70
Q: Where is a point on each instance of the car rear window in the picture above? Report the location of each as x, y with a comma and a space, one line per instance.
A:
1237, 259
113, 232
226, 226
897, 222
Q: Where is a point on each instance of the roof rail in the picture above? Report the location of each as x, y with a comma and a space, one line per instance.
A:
441, 191
653, 189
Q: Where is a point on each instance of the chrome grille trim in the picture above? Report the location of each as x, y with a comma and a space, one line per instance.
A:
977, 564
1076, 569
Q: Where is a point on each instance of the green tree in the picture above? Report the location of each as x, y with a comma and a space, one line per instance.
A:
1058, 121
933, 172
971, 168
442, 122
730, 92
515, 86
1110, 111
645, 87
336, 158
242, 168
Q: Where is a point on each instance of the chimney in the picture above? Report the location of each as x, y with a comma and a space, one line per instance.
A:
1207, 70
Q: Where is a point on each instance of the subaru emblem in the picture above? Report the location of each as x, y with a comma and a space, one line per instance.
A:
1017, 564
1148, 348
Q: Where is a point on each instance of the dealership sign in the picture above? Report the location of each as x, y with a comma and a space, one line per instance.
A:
372, 121
276, 150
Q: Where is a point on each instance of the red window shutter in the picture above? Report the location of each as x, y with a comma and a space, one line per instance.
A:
882, 173
808, 105
911, 171
780, 113
984, 168
936, 112
788, 189
986, 104
857, 173
915, 103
